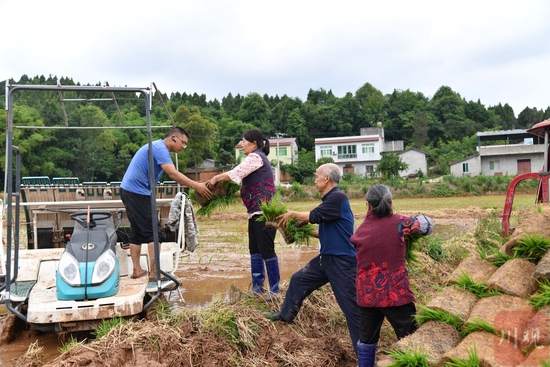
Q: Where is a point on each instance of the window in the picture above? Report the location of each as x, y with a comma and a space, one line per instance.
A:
494, 165
347, 151
464, 167
326, 151
281, 151
369, 169
367, 148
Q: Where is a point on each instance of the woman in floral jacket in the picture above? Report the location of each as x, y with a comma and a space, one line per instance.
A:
383, 288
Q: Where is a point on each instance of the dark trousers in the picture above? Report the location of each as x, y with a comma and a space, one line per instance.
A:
401, 319
341, 272
261, 239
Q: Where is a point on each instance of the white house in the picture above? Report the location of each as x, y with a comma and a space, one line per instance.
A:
358, 154
516, 152
416, 159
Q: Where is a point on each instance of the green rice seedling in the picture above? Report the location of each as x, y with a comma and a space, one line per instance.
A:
299, 232
496, 257
272, 209
532, 247
488, 234
220, 320
477, 325
229, 323
472, 361
106, 326
70, 344
428, 314
413, 358
220, 199
479, 290
412, 241
543, 296
162, 310
433, 246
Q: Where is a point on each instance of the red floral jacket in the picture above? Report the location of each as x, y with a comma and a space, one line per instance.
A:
382, 277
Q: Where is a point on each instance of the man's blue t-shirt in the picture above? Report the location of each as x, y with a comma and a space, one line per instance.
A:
335, 220
136, 178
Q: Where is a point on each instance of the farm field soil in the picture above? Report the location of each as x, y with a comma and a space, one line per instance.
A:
215, 278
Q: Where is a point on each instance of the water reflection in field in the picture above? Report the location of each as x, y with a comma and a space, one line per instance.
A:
199, 288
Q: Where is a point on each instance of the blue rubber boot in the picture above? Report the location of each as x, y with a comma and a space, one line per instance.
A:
273, 275
366, 354
258, 273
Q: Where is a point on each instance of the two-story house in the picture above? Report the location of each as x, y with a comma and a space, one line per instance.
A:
361, 154
505, 152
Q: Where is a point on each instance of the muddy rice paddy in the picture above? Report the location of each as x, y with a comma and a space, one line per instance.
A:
212, 272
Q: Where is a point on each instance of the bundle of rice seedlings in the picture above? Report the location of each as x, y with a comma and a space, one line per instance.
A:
295, 231
223, 195
272, 209
542, 297
532, 247
479, 290
299, 232
428, 314
412, 247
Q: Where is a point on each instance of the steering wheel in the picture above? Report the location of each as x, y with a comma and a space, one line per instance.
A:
82, 218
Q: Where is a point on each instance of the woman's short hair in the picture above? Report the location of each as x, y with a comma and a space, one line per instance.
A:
380, 199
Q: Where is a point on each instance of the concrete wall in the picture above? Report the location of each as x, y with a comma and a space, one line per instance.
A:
505, 158
474, 167
416, 161
508, 165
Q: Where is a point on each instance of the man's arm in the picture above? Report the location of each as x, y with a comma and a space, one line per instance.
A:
180, 178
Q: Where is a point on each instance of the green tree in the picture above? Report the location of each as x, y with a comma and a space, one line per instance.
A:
324, 118
304, 170
296, 127
390, 165
421, 126
506, 116
529, 117
254, 110
200, 131
373, 104
448, 108
92, 149
403, 108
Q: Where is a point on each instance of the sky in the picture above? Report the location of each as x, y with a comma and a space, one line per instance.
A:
494, 51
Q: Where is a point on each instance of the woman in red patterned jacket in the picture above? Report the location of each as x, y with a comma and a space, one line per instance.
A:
383, 288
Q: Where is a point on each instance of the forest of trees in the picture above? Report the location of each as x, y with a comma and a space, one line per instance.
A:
444, 125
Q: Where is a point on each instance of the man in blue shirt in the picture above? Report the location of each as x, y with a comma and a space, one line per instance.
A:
136, 193
336, 262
